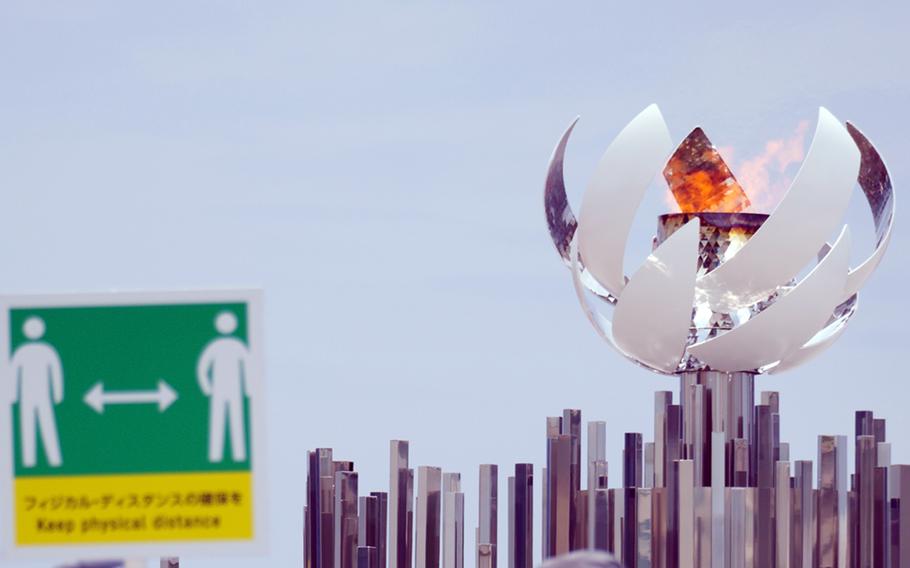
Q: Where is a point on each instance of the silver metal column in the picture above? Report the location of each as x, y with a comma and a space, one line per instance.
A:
841, 483
644, 528
600, 520
662, 399
718, 499
487, 511
511, 518
400, 505
381, 538
485, 555
544, 515
559, 493
703, 527
632, 460
673, 452
865, 485
804, 536
326, 519
783, 515
700, 453
740, 411
410, 514
345, 519
900, 483
685, 480
367, 557
452, 521
617, 520
571, 426
597, 453
765, 459
737, 527
581, 520
751, 507
648, 468
881, 513
429, 487
368, 521
524, 515
827, 529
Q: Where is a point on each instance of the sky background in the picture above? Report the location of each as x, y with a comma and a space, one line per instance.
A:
377, 168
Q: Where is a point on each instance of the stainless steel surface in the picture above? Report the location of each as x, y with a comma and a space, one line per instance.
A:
596, 455
524, 515
453, 530
488, 489
399, 506
345, 519
744, 509
429, 490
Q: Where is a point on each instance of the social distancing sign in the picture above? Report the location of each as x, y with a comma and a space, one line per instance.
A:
130, 422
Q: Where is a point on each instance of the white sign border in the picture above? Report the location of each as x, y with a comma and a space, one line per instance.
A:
257, 546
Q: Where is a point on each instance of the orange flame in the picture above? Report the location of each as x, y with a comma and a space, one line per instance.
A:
764, 177
699, 179
767, 176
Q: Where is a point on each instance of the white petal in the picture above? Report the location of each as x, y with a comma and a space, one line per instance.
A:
611, 199
786, 325
818, 344
601, 323
807, 215
652, 318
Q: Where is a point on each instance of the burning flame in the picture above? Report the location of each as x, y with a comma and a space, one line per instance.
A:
764, 177
700, 179
768, 175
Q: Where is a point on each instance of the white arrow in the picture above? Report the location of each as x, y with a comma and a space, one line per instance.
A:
97, 398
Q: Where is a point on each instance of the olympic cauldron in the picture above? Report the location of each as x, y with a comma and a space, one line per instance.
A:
746, 264
724, 296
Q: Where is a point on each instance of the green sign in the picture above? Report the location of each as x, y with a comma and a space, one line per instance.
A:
131, 424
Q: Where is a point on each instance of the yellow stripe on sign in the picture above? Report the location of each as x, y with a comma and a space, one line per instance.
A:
133, 508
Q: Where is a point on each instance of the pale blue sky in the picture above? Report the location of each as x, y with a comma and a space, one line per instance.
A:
377, 168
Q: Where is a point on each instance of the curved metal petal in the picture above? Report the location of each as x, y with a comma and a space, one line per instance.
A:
876, 185
601, 323
615, 192
652, 319
821, 340
782, 328
560, 219
799, 226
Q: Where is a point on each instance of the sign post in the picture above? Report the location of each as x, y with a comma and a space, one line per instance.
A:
130, 424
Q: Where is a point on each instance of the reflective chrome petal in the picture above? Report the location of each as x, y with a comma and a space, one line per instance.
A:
560, 219
615, 192
782, 328
603, 325
652, 318
821, 340
799, 226
876, 185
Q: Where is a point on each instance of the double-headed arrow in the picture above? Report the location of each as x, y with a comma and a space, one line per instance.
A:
97, 398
